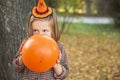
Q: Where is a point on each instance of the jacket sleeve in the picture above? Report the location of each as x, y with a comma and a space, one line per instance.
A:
15, 63
16, 66
64, 63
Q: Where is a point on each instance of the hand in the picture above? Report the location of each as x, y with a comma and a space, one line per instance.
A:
58, 67
58, 60
20, 60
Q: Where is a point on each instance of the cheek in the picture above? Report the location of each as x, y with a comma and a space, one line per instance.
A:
49, 34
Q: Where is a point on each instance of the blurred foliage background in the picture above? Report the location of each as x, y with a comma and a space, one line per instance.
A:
90, 33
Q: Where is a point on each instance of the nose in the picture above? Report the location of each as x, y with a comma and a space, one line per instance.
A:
40, 32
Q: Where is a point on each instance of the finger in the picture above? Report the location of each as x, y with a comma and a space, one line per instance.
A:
58, 61
60, 55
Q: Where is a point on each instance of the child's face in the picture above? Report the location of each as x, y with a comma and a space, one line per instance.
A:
41, 27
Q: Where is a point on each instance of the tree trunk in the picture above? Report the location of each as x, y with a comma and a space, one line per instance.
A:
88, 7
13, 21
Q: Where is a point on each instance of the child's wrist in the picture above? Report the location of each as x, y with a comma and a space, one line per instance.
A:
58, 69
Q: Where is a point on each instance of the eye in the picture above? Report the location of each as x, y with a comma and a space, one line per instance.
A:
45, 30
35, 31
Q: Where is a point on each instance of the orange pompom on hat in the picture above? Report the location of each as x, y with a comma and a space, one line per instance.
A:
41, 10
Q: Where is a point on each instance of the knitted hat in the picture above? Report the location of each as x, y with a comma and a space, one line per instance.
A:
41, 10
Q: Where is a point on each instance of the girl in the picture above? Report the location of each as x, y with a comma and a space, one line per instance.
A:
43, 20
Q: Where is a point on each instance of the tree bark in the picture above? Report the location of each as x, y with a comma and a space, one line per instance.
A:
13, 21
88, 7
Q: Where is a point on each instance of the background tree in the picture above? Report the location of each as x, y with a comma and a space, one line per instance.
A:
69, 9
13, 20
102, 7
88, 7
110, 8
53, 3
114, 11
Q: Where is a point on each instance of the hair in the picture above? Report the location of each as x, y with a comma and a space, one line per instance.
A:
52, 18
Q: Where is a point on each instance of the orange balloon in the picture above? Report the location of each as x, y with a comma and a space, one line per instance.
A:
39, 53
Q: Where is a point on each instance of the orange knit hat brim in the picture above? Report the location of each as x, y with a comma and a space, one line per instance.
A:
41, 15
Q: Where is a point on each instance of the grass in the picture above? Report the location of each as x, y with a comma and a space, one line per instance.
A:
93, 51
94, 29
